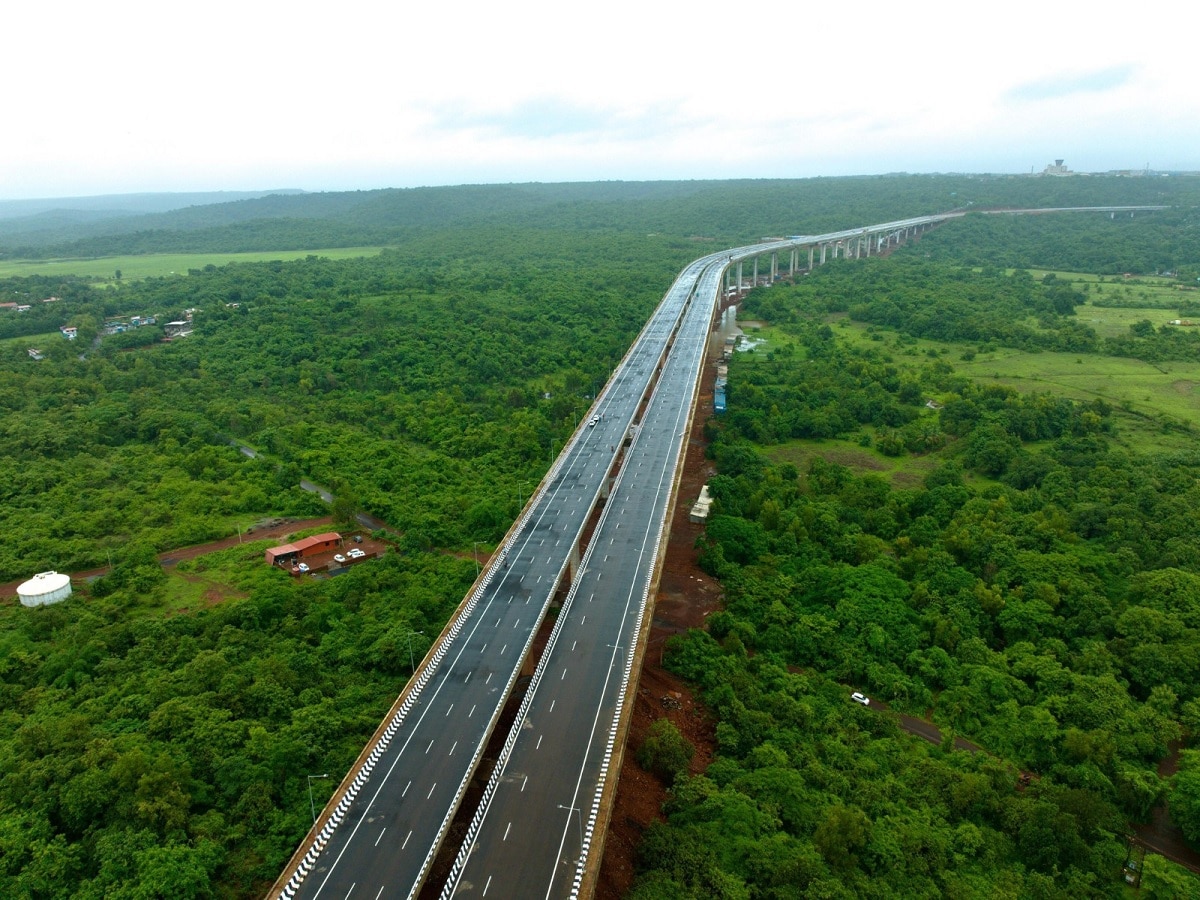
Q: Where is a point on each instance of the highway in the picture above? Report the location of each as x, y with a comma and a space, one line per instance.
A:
552, 771
532, 832
383, 833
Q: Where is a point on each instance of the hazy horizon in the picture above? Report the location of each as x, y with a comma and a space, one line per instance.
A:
531, 92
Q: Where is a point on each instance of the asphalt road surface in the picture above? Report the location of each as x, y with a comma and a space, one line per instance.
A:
530, 836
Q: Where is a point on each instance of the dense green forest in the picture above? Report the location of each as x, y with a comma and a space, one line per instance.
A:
1036, 592
731, 212
147, 754
432, 390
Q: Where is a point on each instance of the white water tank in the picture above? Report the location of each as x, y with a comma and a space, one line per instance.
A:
45, 588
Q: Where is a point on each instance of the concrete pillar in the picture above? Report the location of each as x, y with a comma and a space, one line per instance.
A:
811, 250
754, 280
774, 265
573, 564
739, 276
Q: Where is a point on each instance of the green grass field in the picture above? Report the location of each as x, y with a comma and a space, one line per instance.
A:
132, 268
1113, 321
1154, 403
1159, 297
906, 471
34, 340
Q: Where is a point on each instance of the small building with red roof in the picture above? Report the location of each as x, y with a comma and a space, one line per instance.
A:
286, 554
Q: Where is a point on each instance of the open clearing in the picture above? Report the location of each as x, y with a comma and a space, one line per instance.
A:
1156, 405
32, 340
104, 268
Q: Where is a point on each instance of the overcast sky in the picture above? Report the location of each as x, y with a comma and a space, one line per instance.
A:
132, 96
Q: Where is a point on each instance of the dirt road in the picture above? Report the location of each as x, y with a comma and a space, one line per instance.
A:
281, 529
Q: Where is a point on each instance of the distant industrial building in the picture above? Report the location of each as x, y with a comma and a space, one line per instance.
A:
1057, 169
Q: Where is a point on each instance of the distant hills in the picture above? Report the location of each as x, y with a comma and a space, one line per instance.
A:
54, 220
728, 211
116, 205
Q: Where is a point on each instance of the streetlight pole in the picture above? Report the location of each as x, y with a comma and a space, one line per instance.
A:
312, 806
572, 809
411, 663
476, 543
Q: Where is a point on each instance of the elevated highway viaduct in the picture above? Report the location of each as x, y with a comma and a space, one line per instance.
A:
538, 830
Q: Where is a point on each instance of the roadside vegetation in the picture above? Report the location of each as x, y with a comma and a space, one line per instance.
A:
148, 751
914, 500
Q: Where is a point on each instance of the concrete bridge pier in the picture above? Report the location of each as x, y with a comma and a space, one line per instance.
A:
573, 564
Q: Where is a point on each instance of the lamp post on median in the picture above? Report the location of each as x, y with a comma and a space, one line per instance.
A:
573, 809
311, 805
